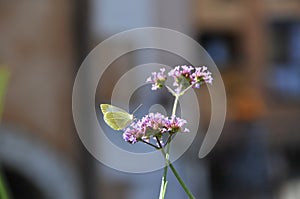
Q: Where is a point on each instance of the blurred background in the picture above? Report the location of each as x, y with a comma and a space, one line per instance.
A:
255, 43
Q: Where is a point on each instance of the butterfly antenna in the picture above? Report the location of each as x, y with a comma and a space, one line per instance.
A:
137, 108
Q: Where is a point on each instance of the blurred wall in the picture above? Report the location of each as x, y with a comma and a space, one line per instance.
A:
36, 46
38, 148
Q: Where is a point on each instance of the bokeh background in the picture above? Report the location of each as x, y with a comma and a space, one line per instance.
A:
255, 43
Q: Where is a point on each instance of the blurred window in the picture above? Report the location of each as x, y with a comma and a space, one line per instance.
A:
285, 58
112, 16
222, 47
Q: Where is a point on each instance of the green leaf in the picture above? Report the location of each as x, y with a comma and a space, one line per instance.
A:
4, 77
3, 192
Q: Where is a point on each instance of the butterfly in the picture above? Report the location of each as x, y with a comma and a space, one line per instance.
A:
115, 117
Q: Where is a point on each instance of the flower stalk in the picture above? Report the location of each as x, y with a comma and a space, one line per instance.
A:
164, 182
187, 191
181, 182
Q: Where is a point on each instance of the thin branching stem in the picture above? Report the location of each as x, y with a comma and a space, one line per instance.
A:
156, 147
166, 154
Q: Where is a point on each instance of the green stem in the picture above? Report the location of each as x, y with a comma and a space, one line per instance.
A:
163, 188
168, 148
164, 181
187, 191
175, 105
182, 92
149, 143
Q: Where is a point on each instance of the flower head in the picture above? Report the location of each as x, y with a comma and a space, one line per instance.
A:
175, 124
135, 132
184, 76
152, 125
200, 76
157, 79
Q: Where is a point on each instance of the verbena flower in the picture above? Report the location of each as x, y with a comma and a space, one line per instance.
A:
201, 75
185, 76
157, 79
175, 124
133, 133
152, 125
180, 72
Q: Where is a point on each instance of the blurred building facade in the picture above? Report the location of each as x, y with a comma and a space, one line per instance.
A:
38, 143
256, 46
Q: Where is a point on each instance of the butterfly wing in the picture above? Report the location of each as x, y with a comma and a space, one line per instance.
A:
118, 120
115, 117
105, 108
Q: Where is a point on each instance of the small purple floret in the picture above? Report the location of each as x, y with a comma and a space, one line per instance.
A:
157, 123
157, 79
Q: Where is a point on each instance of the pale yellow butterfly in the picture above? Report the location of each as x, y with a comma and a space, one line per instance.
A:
116, 117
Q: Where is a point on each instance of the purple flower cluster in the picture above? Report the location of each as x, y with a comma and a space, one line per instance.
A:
184, 76
153, 125
157, 79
